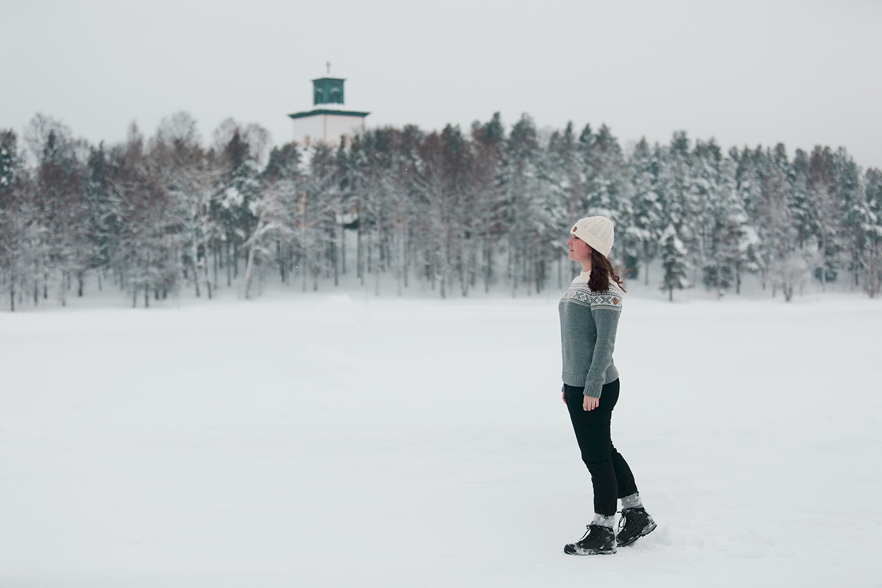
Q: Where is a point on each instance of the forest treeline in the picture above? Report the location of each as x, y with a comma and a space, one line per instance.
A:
482, 209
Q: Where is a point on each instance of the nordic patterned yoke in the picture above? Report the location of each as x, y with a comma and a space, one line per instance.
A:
588, 323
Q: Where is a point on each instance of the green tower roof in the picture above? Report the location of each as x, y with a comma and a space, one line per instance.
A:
327, 91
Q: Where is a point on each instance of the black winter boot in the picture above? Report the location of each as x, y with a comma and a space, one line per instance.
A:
598, 540
634, 524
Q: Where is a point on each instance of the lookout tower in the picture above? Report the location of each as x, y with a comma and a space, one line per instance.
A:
328, 121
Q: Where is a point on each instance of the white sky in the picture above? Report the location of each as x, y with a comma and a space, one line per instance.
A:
745, 72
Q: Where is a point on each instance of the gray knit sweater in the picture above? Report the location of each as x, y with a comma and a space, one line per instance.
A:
588, 323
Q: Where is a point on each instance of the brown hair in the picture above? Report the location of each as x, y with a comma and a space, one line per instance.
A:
602, 271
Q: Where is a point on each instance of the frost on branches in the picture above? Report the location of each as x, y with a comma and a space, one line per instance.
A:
453, 211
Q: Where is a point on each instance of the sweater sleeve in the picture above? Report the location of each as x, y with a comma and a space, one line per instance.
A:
606, 319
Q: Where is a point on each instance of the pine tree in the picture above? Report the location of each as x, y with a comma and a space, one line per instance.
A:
14, 213
855, 213
489, 141
676, 186
646, 228
798, 178
521, 201
825, 208
871, 229
716, 215
238, 157
561, 173
608, 189
9, 164
785, 261
459, 164
103, 224
674, 262
605, 186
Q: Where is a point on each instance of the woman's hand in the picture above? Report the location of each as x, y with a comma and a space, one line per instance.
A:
590, 403
564, 396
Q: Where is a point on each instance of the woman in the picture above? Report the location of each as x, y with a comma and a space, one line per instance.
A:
589, 316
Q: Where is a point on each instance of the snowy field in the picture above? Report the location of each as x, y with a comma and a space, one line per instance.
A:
327, 441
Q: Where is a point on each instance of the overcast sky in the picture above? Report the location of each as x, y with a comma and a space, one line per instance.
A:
745, 72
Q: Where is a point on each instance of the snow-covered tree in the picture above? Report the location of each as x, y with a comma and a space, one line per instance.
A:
18, 226
718, 217
674, 257
826, 212
489, 142
103, 222
275, 211
789, 272
525, 220
608, 191
648, 214
449, 208
239, 161
59, 186
149, 228
871, 229
855, 213
193, 184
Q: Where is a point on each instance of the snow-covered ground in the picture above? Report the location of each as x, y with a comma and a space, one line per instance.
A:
322, 440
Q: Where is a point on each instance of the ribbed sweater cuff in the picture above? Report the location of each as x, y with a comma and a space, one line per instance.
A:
593, 390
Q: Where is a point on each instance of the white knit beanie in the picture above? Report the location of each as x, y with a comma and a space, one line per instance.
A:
597, 231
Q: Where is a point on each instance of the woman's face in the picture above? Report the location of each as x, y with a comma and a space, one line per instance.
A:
579, 249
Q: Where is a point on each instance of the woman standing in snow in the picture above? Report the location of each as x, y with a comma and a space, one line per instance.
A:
589, 316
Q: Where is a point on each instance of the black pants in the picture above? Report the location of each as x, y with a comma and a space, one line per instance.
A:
610, 475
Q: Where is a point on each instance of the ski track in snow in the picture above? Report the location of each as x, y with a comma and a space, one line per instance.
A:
334, 442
